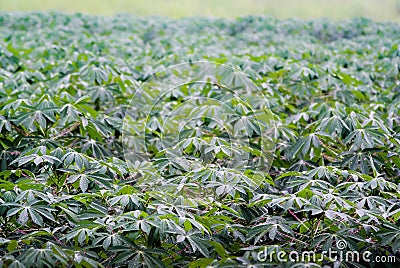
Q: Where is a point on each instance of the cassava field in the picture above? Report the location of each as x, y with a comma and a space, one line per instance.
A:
275, 138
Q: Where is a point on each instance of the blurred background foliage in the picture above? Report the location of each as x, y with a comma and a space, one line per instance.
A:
382, 10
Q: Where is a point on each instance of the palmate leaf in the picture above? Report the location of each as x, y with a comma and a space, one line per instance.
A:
290, 201
82, 179
80, 160
334, 123
42, 257
37, 159
272, 228
33, 210
97, 150
125, 199
38, 114
103, 94
95, 74
134, 256
390, 236
363, 160
311, 142
367, 137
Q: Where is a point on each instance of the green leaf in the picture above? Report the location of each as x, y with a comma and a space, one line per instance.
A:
12, 245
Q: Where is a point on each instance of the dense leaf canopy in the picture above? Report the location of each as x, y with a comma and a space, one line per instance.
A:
330, 93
